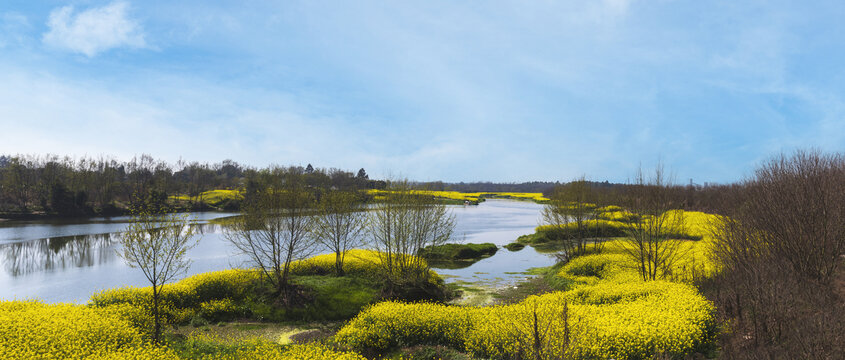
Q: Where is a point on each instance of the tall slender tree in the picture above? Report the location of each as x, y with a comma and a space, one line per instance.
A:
158, 245
340, 224
275, 228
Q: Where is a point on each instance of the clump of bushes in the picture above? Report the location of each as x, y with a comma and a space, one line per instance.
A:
779, 250
212, 294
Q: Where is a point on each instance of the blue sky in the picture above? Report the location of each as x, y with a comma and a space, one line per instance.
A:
429, 90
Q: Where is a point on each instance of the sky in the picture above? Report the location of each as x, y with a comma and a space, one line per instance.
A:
504, 91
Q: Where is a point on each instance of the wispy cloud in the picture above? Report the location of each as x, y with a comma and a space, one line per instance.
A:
13, 26
94, 30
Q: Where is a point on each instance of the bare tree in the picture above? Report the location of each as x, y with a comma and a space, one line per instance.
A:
541, 329
799, 209
275, 228
652, 239
339, 224
403, 224
158, 245
778, 245
571, 212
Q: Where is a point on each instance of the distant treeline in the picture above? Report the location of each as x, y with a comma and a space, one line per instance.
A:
86, 186
67, 186
528, 187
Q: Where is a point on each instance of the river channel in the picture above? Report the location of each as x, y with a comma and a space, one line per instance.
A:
68, 260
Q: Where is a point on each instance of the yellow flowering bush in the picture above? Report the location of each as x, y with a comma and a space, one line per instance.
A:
357, 261
510, 331
391, 323
182, 299
223, 309
264, 350
30, 329
621, 215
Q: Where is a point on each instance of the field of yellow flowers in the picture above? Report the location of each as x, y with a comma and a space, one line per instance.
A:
609, 312
33, 330
213, 197
116, 323
473, 198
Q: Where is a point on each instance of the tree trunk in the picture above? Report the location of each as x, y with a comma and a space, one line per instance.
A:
339, 264
157, 329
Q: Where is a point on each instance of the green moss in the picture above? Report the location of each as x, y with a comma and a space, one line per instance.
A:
451, 264
529, 239
459, 251
514, 246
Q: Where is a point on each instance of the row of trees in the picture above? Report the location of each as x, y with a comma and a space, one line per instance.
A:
283, 220
102, 185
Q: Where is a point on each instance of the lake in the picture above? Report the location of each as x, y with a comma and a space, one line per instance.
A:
68, 260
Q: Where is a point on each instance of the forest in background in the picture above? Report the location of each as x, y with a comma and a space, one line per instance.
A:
52, 185
65, 186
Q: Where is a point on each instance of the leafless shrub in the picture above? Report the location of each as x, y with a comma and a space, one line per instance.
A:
652, 238
778, 248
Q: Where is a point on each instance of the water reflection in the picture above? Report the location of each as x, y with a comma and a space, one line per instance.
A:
69, 260
61, 252
58, 253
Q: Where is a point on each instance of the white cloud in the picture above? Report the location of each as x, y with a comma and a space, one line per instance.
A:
94, 30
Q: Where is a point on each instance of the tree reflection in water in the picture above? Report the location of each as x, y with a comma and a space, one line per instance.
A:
58, 253
61, 252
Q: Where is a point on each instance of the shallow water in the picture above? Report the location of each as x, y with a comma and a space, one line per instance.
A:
499, 222
68, 260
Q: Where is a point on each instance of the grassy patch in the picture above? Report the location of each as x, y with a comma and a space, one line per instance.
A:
459, 251
335, 298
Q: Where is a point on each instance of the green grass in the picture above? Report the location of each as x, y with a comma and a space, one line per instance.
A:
459, 251
334, 298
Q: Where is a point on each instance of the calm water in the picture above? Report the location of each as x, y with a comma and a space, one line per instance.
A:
68, 260
499, 222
